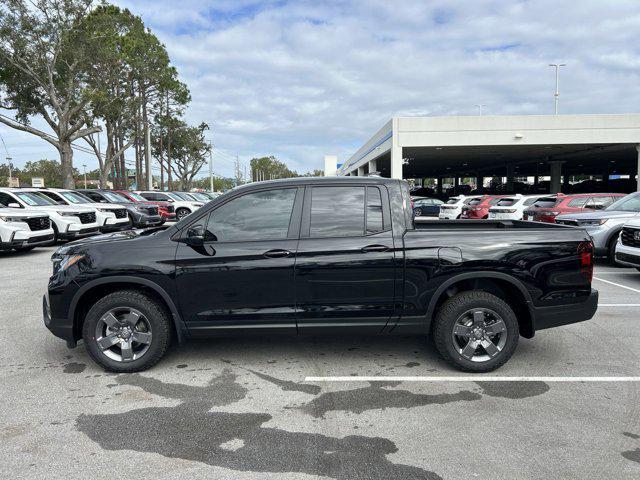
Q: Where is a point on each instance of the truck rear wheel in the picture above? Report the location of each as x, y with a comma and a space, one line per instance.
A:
126, 331
476, 331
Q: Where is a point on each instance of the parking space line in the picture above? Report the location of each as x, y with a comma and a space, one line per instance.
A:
617, 284
472, 379
618, 305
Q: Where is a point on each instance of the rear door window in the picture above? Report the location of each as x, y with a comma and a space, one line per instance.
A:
598, 203
337, 212
374, 210
505, 202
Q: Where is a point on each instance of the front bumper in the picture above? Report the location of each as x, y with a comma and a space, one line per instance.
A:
83, 232
556, 316
628, 256
29, 242
115, 227
61, 328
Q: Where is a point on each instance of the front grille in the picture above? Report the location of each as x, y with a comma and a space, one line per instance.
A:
573, 223
628, 237
121, 213
152, 210
38, 223
87, 217
170, 209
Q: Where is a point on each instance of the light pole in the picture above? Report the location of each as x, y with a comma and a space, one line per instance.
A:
479, 105
9, 165
557, 94
85, 176
210, 167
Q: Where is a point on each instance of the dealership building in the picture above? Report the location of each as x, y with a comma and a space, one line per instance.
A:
554, 147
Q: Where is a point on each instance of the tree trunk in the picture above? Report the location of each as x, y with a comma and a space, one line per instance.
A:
66, 160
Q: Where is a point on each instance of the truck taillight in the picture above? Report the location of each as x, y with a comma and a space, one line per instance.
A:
585, 250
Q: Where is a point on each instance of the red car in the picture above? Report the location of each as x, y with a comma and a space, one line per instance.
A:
165, 209
478, 208
546, 209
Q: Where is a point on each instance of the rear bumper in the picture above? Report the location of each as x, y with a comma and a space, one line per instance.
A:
556, 316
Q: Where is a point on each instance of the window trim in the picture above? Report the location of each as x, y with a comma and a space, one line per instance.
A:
305, 227
294, 220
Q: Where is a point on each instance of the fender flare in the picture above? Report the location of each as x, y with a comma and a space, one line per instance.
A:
181, 328
483, 275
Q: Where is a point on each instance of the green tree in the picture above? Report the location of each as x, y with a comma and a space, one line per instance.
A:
268, 168
49, 170
190, 150
43, 72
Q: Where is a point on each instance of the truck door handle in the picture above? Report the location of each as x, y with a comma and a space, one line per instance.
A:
277, 253
374, 248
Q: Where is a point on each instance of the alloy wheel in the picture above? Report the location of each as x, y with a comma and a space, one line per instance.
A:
479, 334
123, 334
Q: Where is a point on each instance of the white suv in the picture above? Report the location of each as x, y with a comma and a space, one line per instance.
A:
182, 207
452, 209
22, 231
110, 217
628, 246
512, 208
69, 222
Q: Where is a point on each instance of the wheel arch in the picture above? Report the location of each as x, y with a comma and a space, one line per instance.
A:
96, 289
500, 284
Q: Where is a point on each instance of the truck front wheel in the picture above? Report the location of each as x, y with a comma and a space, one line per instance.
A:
476, 331
126, 331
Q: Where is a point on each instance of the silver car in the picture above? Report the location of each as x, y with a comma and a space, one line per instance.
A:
605, 225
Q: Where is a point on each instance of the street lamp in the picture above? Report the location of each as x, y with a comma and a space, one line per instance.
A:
85, 176
479, 105
557, 94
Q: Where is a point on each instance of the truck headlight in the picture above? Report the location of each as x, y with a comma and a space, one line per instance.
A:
10, 219
593, 223
63, 262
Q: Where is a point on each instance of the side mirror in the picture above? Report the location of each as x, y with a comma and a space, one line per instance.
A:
14, 205
195, 236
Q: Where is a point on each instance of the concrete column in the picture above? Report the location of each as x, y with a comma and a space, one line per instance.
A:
373, 166
510, 171
396, 151
479, 181
556, 176
361, 172
456, 184
439, 185
566, 182
638, 169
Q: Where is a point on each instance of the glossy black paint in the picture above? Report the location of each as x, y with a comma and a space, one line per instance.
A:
387, 282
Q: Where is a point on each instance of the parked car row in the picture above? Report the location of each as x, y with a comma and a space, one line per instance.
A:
31, 217
604, 215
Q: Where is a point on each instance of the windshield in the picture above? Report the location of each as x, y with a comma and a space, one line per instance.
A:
137, 197
200, 196
630, 203
453, 201
175, 197
33, 199
182, 196
114, 197
75, 197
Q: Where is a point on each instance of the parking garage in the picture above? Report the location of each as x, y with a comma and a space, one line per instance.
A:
547, 153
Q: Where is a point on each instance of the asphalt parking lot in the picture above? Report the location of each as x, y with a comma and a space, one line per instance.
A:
241, 408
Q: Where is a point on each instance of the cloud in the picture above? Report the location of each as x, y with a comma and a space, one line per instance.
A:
304, 78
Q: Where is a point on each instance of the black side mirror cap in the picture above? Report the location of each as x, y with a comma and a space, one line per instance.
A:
195, 236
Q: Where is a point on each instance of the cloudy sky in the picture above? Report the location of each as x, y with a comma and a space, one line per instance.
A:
301, 79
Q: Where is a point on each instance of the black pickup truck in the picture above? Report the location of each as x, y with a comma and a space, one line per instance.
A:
312, 255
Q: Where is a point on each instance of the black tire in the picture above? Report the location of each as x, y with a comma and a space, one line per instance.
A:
154, 313
456, 306
181, 213
417, 212
55, 233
